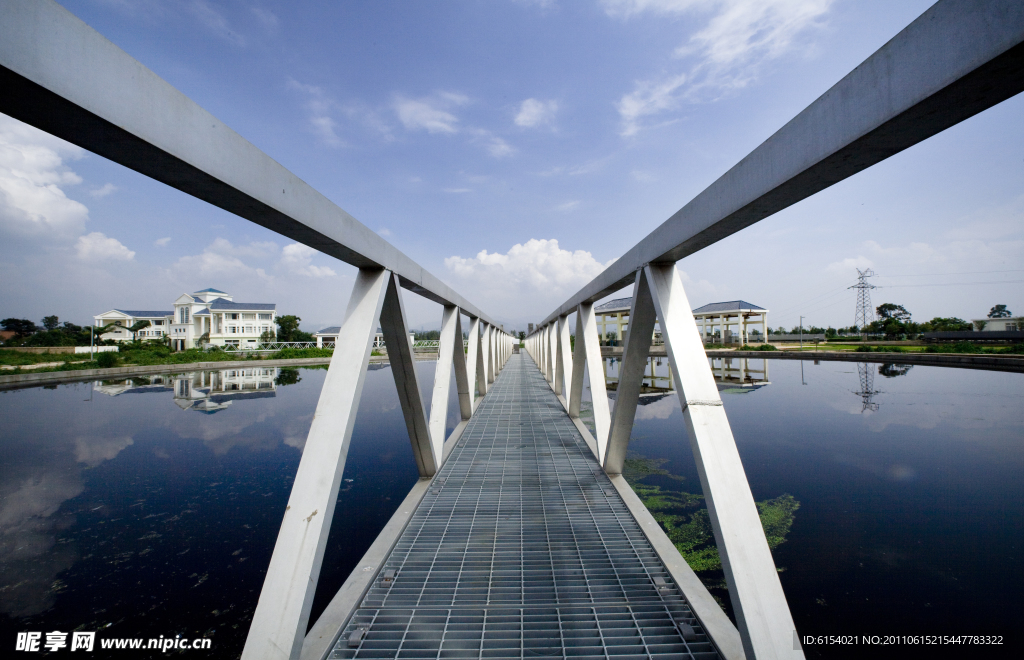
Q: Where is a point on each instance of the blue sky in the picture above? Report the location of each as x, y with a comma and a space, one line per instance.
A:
514, 149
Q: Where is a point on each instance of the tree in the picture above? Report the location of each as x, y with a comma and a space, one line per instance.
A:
428, 335
947, 324
887, 311
999, 312
287, 326
51, 322
22, 327
522, 335
893, 320
138, 326
267, 337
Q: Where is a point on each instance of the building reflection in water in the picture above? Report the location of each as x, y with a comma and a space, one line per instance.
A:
203, 391
731, 374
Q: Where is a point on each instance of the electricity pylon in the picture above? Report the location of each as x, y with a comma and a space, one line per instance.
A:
865, 312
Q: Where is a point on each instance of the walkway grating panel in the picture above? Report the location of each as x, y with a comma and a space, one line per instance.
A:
522, 548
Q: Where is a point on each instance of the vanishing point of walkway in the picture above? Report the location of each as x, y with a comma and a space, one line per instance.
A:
522, 548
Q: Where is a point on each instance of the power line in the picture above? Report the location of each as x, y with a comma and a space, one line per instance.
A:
971, 272
901, 286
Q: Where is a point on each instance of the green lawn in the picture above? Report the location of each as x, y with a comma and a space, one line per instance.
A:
145, 356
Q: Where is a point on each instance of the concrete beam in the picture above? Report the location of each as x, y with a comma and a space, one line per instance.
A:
63, 77
957, 59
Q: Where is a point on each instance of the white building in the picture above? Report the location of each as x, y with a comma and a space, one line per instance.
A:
126, 318
1007, 324
729, 322
722, 322
328, 336
204, 317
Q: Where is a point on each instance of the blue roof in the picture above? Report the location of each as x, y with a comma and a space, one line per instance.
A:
729, 306
202, 312
210, 291
221, 303
143, 313
333, 330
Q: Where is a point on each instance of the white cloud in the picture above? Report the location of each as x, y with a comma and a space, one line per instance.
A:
495, 146
99, 247
162, 242
215, 22
537, 265
727, 53
534, 113
848, 265
456, 190
223, 259
431, 113
32, 172
649, 98
319, 106
568, 206
103, 191
297, 258
384, 231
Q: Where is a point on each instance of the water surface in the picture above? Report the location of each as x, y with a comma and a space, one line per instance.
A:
151, 506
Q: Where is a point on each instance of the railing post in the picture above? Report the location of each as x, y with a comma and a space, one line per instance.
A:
473, 359
559, 379
282, 613
579, 363
595, 366
642, 318
403, 368
463, 384
762, 613
446, 351
552, 344
481, 364
564, 357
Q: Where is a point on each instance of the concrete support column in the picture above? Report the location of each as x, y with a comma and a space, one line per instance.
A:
762, 613
282, 613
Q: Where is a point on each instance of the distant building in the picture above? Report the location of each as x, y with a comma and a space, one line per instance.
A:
328, 336
722, 322
204, 317
999, 325
613, 319
729, 322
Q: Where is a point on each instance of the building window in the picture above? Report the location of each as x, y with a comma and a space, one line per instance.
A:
266, 317
248, 329
183, 315
233, 317
160, 322
249, 317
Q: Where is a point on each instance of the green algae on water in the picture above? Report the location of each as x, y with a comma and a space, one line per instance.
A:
685, 518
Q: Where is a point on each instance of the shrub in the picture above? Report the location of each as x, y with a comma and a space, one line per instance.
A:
106, 360
762, 347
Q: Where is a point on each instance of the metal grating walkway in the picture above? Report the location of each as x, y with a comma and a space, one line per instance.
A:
521, 549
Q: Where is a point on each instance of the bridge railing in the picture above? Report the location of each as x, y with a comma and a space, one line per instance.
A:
105, 101
957, 59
